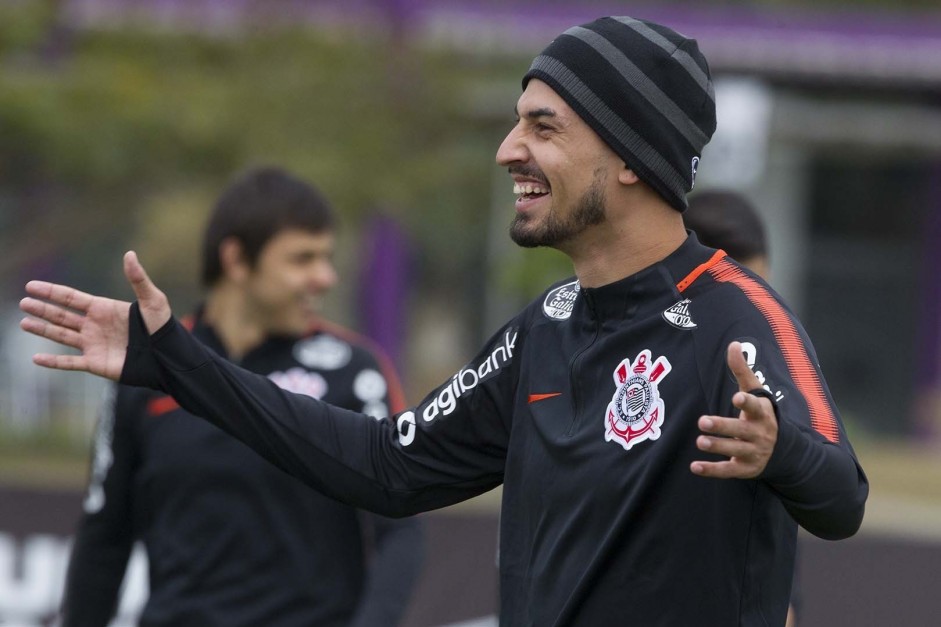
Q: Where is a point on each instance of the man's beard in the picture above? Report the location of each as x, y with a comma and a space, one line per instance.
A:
556, 231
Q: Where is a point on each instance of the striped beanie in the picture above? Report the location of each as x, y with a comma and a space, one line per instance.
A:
646, 91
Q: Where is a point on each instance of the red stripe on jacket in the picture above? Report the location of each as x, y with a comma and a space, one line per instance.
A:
795, 356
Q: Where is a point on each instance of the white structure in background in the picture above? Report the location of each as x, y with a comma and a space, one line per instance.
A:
32, 578
737, 154
744, 155
34, 399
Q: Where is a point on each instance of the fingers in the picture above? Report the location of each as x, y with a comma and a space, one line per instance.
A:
727, 447
718, 470
746, 459
739, 367
60, 295
728, 437
60, 362
144, 288
154, 307
747, 441
751, 404
725, 427
133, 269
54, 314
53, 332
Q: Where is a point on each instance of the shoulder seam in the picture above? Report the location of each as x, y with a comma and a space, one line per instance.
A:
690, 278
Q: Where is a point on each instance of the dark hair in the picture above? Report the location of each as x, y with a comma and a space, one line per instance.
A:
256, 206
727, 220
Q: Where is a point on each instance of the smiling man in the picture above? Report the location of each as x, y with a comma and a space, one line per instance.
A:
649, 477
231, 539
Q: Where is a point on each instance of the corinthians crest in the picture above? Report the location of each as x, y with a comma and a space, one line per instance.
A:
635, 413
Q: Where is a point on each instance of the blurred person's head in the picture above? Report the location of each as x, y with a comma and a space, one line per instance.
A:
727, 220
614, 113
268, 247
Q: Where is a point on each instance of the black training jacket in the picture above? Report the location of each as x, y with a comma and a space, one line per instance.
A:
231, 539
584, 406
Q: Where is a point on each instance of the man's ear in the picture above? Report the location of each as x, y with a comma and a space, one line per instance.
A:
235, 266
627, 176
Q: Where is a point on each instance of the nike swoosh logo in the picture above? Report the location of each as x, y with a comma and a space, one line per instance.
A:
534, 398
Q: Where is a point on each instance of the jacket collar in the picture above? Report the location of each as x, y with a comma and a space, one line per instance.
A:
656, 287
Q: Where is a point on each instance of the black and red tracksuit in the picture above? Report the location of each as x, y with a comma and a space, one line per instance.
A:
585, 407
230, 538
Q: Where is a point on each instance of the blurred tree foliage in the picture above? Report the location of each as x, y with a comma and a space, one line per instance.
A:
110, 139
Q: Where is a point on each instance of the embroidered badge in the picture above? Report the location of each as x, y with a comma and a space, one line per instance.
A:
678, 315
559, 302
636, 412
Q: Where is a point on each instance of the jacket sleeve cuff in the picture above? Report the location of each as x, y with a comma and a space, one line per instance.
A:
780, 466
788, 436
140, 365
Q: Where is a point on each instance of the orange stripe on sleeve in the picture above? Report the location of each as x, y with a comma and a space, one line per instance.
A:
692, 276
795, 356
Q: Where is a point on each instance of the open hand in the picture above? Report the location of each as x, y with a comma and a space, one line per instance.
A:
96, 326
748, 440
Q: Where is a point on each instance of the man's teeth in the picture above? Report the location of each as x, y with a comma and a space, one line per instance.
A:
528, 189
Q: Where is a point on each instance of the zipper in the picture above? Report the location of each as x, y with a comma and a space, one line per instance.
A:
576, 360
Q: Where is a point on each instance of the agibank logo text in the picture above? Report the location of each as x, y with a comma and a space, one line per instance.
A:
465, 380
468, 378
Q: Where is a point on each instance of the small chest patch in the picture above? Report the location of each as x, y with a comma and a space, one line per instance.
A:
560, 301
323, 352
636, 411
678, 315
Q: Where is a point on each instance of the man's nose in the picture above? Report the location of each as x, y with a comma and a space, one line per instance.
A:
513, 149
323, 275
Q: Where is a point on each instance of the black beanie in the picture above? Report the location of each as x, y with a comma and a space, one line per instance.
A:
646, 91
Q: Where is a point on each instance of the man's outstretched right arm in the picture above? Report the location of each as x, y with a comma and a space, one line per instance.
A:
423, 459
396, 467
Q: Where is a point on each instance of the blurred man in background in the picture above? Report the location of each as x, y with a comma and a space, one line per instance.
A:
726, 220
230, 538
